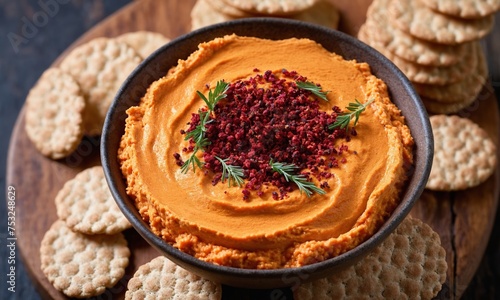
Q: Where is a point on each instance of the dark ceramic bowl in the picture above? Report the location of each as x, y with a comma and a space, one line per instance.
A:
157, 65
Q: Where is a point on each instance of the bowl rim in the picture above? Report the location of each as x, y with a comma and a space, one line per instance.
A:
357, 252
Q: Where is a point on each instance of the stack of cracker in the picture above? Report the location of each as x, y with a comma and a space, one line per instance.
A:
207, 12
84, 252
71, 101
435, 43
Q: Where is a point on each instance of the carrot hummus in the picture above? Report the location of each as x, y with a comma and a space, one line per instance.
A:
264, 154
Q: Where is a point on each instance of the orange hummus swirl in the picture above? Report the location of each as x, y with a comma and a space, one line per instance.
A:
211, 222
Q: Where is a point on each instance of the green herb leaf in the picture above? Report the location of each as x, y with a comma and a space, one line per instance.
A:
355, 108
316, 90
198, 133
300, 180
231, 173
215, 95
193, 161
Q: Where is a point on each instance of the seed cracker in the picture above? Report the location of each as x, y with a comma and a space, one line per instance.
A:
425, 74
54, 108
321, 13
229, 10
87, 206
404, 45
143, 42
272, 7
422, 22
100, 66
162, 279
204, 14
436, 107
409, 264
82, 266
464, 154
468, 9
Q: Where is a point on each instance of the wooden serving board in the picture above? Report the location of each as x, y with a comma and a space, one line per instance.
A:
463, 219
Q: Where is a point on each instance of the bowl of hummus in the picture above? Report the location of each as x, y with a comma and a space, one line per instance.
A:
264, 153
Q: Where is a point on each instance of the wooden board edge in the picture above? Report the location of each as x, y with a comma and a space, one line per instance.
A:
85, 37
493, 183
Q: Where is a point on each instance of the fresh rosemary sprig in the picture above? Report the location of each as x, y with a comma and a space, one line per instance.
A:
231, 173
300, 180
316, 90
193, 161
198, 133
355, 108
215, 95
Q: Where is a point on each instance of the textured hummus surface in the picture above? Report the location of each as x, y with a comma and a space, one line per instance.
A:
211, 222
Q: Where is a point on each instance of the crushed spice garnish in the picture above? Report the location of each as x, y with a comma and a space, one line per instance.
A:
267, 118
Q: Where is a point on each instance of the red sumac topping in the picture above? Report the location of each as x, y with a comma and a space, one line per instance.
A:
266, 117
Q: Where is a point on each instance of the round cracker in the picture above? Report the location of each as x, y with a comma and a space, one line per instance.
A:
162, 279
100, 66
203, 14
422, 22
464, 91
143, 42
425, 74
79, 265
436, 107
54, 108
410, 263
468, 9
272, 7
229, 10
87, 206
464, 154
406, 46
321, 13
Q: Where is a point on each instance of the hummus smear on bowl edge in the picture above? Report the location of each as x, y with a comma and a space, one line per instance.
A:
272, 223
